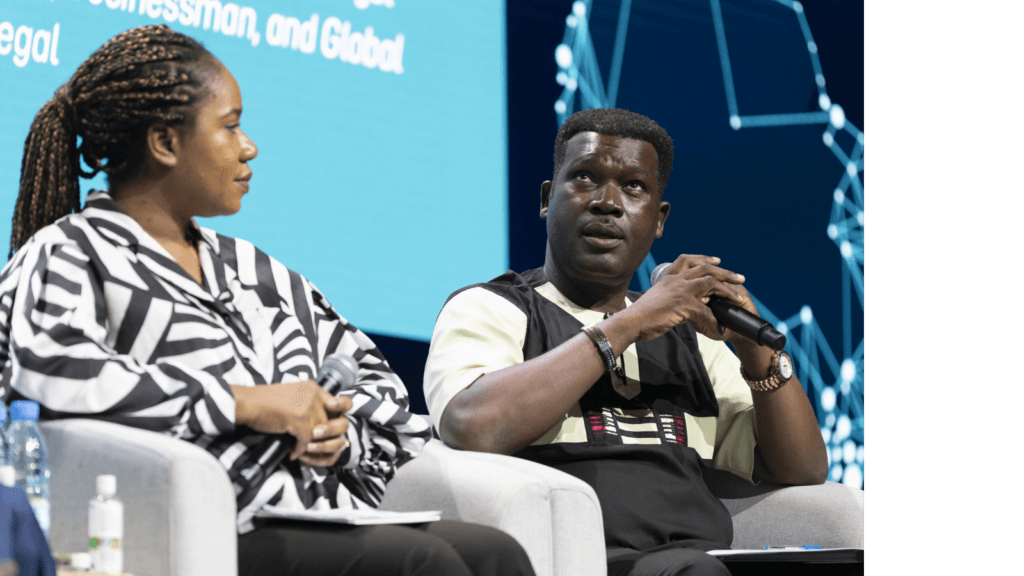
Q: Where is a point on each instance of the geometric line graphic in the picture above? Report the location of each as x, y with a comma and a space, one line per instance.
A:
834, 382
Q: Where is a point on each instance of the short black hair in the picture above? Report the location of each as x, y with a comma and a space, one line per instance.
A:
622, 123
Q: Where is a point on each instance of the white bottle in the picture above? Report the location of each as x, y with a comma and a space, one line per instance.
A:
106, 526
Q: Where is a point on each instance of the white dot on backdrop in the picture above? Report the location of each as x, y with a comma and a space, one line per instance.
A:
559, 107
798, 7
836, 116
844, 387
819, 79
824, 102
848, 370
806, 315
839, 197
563, 55
849, 451
851, 169
571, 21
860, 218
853, 476
812, 47
830, 420
826, 435
828, 398
571, 84
843, 427
579, 8
832, 231
846, 249
837, 472
783, 328
735, 122
860, 454
827, 138
561, 78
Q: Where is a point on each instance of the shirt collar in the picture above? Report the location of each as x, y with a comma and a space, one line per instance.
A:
118, 227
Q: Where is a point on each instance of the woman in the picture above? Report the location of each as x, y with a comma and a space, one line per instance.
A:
129, 312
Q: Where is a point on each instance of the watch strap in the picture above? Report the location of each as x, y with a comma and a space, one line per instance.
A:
604, 348
773, 381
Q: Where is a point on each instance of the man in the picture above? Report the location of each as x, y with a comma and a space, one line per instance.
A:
564, 366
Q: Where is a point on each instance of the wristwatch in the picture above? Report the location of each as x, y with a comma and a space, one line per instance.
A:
780, 372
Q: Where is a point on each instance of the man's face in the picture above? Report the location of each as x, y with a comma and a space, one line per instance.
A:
604, 208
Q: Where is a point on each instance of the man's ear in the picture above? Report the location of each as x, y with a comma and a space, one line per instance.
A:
163, 143
663, 211
545, 197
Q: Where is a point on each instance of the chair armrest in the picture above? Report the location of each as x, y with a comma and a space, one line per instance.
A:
829, 515
554, 516
179, 506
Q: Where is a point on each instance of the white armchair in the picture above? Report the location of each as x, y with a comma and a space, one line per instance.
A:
180, 506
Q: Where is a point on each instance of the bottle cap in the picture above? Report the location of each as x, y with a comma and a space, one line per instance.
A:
24, 410
106, 485
81, 561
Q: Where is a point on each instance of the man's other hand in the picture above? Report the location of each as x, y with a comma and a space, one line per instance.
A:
682, 295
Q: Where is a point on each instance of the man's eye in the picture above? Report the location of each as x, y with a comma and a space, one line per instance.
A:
583, 176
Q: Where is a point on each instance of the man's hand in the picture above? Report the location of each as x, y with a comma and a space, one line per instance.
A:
301, 409
682, 295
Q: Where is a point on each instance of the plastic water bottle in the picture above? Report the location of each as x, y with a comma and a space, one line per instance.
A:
106, 526
26, 452
6, 470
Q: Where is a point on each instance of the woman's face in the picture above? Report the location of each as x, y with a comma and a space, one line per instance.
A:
213, 164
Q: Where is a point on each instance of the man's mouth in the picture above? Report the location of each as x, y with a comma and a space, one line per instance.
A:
603, 231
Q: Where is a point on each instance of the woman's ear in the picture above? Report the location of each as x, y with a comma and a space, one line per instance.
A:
163, 144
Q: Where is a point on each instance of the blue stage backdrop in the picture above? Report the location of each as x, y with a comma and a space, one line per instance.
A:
381, 126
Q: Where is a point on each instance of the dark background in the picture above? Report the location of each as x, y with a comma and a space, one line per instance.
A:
759, 198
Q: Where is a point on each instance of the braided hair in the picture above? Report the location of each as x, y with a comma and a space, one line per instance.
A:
139, 77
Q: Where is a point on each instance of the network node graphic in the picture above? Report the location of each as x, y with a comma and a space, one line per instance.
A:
834, 383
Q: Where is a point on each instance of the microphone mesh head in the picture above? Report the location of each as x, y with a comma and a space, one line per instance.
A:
659, 271
341, 367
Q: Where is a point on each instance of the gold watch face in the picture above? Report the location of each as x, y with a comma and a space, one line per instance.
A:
785, 366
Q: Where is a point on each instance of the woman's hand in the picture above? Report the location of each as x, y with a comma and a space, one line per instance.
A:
328, 442
300, 408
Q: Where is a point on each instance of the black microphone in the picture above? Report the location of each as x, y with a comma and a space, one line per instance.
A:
731, 316
337, 374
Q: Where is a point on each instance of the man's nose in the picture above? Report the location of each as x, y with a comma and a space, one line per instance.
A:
607, 199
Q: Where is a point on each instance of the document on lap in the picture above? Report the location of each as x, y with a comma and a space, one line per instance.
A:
353, 517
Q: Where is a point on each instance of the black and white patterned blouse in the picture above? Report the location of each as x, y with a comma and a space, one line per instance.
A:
98, 320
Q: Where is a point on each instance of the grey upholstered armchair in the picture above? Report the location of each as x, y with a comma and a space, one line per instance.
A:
180, 506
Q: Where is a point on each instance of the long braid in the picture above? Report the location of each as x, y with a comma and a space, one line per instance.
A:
137, 78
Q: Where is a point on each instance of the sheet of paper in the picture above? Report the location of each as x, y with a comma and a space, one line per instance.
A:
354, 517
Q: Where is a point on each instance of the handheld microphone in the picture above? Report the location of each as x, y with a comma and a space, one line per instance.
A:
731, 316
337, 374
